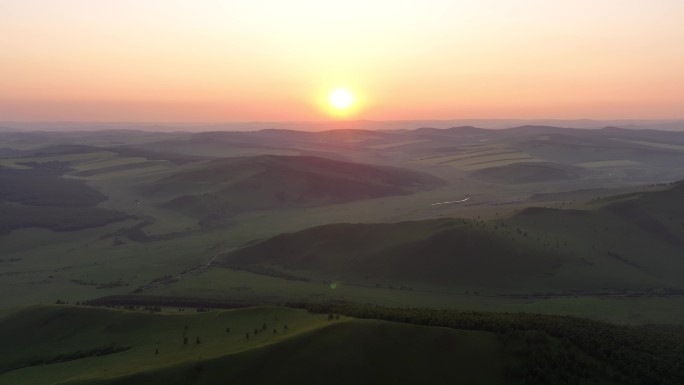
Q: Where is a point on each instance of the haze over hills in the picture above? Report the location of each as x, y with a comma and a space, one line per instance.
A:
341, 192
531, 218
668, 125
226, 187
220, 174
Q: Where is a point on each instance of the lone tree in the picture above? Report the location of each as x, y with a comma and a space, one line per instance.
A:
227, 330
197, 341
246, 336
156, 351
263, 327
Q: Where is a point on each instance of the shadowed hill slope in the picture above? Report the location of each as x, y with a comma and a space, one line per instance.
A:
629, 244
225, 187
350, 352
88, 346
636, 238
50, 344
528, 173
452, 253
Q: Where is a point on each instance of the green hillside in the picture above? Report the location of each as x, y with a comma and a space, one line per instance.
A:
36, 194
41, 184
89, 346
529, 173
446, 253
635, 237
51, 344
225, 187
357, 351
631, 244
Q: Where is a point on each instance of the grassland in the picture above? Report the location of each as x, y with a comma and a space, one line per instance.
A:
246, 287
528, 173
222, 188
475, 158
39, 341
667, 146
608, 163
56, 218
42, 185
261, 345
526, 231
362, 352
44, 266
454, 254
397, 144
622, 256
602, 249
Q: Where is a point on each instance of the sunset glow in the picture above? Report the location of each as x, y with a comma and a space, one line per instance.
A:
341, 98
217, 60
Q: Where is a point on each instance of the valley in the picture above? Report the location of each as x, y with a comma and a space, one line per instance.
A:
138, 228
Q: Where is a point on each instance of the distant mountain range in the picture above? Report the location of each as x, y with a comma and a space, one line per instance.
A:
669, 125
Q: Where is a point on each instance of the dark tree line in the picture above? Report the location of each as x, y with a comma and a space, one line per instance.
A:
623, 354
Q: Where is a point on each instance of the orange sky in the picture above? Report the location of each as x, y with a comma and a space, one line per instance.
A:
223, 60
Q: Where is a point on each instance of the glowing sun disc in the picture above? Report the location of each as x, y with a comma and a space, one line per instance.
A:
341, 98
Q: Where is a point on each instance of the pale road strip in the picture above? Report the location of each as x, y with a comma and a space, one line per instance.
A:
181, 275
446, 203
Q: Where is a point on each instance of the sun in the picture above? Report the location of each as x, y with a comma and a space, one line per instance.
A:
341, 98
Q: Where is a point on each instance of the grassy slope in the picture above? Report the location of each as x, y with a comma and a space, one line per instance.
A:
627, 245
46, 333
314, 350
351, 352
150, 261
448, 253
637, 240
56, 218
42, 185
39, 196
225, 187
528, 173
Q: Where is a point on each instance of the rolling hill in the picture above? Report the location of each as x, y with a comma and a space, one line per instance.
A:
444, 253
633, 243
37, 195
92, 346
224, 187
528, 173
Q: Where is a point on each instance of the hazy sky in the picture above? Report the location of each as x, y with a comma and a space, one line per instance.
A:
223, 60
